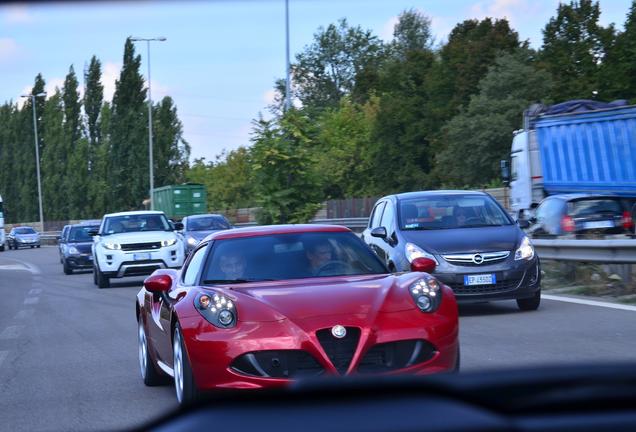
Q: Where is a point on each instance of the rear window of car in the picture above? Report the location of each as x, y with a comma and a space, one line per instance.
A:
594, 207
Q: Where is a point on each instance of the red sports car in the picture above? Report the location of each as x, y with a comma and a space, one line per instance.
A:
260, 307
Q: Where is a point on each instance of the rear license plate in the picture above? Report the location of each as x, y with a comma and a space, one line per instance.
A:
480, 279
599, 224
141, 256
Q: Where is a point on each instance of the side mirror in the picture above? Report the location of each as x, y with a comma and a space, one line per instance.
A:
523, 223
505, 171
93, 232
425, 265
379, 232
158, 283
178, 226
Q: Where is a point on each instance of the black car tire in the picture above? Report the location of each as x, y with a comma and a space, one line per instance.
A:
190, 391
38, 246
101, 280
530, 304
149, 374
67, 269
32, 247
2, 248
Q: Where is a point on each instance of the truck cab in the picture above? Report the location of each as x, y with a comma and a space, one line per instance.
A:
526, 179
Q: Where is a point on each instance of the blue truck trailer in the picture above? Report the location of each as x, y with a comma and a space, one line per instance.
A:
577, 146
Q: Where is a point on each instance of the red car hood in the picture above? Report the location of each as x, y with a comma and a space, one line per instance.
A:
344, 295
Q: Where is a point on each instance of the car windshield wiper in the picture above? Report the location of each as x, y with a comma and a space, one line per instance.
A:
233, 281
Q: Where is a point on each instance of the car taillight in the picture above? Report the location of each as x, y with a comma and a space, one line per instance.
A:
627, 221
567, 223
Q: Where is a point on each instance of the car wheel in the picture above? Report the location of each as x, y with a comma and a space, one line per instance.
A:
185, 388
101, 280
530, 304
2, 248
67, 269
38, 246
32, 247
149, 374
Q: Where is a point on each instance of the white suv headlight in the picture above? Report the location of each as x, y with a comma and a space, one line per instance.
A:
525, 251
112, 245
166, 243
413, 251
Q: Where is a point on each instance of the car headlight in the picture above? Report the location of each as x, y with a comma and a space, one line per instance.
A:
166, 243
426, 293
192, 241
217, 309
112, 245
413, 251
525, 251
73, 250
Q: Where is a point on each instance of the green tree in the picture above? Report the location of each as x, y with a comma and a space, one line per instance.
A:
480, 136
128, 165
285, 180
340, 59
97, 151
574, 46
412, 32
54, 159
618, 70
171, 151
464, 60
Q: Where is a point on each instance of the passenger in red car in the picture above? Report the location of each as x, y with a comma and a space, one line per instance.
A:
233, 266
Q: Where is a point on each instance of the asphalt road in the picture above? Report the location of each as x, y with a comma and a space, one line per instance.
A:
68, 351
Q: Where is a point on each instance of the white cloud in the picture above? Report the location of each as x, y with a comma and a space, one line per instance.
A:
54, 84
386, 33
110, 73
441, 28
159, 90
515, 11
269, 97
17, 14
8, 48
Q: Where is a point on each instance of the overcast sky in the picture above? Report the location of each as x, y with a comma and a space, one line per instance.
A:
221, 57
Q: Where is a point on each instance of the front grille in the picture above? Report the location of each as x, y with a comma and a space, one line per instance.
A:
469, 261
141, 246
141, 270
392, 356
277, 364
339, 351
503, 286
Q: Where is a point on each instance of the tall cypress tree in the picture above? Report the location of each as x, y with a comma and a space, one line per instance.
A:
97, 156
54, 159
128, 135
171, 151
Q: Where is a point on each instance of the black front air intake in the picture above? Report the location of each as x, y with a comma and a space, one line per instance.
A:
396, 355
339, 351
289, 364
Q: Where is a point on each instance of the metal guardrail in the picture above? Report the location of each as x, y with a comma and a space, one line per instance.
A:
609, 251
601, 251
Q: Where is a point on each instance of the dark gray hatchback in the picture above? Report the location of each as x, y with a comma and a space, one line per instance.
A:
479, 251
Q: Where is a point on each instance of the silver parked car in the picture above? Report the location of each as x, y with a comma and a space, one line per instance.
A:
24, 236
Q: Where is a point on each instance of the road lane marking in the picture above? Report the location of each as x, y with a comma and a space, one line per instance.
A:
24, 314
11, 332
31, 300
21, 266
589, 302
35, 291
3, 355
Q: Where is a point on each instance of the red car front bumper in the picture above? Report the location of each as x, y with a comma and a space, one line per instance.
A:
212, 351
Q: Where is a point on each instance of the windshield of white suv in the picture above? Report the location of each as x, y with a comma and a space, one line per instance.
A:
135, 223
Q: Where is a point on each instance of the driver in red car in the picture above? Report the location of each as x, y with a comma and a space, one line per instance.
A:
318, 254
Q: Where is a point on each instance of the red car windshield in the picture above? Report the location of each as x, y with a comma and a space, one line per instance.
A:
289, 256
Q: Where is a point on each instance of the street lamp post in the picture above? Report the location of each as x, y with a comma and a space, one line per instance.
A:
37, 154
287, 66
150, 157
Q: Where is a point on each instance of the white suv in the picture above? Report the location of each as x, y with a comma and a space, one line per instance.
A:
134, 244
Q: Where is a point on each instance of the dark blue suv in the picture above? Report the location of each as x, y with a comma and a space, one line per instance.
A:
476, 248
